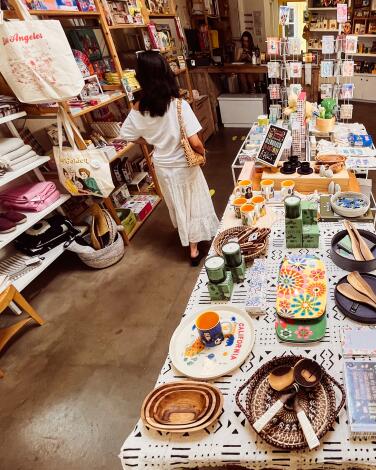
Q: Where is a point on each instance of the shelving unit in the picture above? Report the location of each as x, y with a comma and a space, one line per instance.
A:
139, 223
12, 175
80, 112
12, 117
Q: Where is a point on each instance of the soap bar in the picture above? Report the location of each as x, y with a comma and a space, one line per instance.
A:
309, 212
345, 243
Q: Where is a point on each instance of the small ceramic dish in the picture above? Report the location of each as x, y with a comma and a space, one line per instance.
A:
183, 406
350, 204
345, 262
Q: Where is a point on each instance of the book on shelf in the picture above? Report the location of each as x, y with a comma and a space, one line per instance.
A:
360, 384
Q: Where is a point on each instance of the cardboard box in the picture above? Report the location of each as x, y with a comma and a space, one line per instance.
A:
128, 219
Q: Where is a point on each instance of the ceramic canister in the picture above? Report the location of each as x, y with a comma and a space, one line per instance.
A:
215, 269
248, 213
292, 207
236, 204
267, 189
232, 254
259, 203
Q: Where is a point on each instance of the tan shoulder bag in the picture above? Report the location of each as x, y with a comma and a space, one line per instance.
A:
193, 158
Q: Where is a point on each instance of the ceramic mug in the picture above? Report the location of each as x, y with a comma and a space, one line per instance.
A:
267, 189
287, 188
259, 203
248, 213
244, 189
236, 204
209, 328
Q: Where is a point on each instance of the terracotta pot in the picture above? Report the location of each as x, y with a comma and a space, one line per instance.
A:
325, 125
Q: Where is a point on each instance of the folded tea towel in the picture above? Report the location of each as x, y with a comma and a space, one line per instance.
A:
9, 144
32, 157
31, 196
15, 163
18, 152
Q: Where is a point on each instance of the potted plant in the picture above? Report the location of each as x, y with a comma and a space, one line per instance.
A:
325, 122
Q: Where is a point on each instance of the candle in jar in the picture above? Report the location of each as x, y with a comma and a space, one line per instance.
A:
215, 269
292, 207
232, 254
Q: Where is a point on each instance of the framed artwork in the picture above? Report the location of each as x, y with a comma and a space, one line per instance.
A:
372, 27
333, 25
359, 28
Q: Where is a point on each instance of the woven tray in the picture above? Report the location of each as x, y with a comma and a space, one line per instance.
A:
233, 233
284, 430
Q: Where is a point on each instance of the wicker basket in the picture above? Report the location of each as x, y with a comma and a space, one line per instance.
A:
284, 430
233, 233
105, 257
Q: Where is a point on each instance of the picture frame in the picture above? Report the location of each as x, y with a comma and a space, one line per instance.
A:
359, 28
372, 27
333, 25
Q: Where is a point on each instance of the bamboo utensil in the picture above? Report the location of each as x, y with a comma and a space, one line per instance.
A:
364, 249
354, 242
361, 285
351, 293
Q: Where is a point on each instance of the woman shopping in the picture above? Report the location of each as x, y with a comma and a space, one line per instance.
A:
154, 120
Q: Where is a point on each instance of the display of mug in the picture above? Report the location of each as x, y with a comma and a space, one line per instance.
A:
287, 188
244, 189
248, 214
267, 189
209, 328
259, 203
236, 204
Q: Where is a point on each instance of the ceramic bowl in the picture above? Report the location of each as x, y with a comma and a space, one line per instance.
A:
349, 204
351, 264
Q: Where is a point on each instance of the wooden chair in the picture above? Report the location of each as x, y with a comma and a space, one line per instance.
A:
8, 296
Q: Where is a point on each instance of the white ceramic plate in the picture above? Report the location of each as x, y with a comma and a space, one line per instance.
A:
214, 362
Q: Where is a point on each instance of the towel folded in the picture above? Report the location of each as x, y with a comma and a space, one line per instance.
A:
30, 197
19, 161
18, 152
9, 144
31, 158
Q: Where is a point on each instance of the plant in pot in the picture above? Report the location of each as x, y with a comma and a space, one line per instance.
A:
327, 110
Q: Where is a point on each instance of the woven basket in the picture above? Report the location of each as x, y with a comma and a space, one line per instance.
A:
233, 233
284, 430
105, 257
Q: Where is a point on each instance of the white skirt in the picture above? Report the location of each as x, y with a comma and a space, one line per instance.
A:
187, 197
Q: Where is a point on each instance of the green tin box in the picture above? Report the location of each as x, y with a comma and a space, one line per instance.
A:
222, 291
309, 212
311, 236
294, 225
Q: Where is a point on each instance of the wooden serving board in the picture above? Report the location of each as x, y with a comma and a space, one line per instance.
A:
308, 183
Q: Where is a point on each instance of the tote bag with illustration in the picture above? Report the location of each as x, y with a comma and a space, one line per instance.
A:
81, 172
37, 61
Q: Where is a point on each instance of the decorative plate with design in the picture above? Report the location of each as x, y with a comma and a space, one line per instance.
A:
301, 288
193, 359
300, 331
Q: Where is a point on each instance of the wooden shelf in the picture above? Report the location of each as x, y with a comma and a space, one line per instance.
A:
139, 224
364, 54
12, 175
324, 30
127, 26
162, 15
63, 13
323, 9
123, 151
365, 35
112, 87
179, 72
89, 109
12, 117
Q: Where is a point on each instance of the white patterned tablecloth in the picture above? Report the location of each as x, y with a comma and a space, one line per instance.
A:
231, 440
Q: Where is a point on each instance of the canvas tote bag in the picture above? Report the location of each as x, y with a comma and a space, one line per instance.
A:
81, 172
37, 61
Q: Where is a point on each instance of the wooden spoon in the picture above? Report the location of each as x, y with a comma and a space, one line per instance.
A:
361, 285
348, 291
364, 249
354, 242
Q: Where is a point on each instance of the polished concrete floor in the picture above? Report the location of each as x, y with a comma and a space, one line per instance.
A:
73, 388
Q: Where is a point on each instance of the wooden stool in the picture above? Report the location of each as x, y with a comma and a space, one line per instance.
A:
9, 295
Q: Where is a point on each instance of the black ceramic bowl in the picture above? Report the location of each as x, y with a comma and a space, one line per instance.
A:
351, 264
362, 313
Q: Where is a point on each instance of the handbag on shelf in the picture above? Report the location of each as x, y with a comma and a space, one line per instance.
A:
193, 158
37, 61
82, 172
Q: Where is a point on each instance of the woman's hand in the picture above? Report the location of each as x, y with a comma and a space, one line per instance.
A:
196, 144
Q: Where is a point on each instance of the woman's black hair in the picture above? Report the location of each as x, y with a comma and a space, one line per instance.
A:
248, 35
157, 81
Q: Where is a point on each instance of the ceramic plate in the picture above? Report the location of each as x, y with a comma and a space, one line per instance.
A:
192, 359
300, 331
302, 288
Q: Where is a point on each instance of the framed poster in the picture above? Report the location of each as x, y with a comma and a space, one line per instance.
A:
272, 146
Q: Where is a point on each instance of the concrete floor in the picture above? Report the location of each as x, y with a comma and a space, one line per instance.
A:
73, 388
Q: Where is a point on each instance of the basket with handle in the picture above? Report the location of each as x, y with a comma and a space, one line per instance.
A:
284, 431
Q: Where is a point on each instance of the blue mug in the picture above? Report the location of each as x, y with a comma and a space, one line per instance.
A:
209, 329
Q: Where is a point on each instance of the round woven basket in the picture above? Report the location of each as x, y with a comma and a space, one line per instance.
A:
233, 233
284, 430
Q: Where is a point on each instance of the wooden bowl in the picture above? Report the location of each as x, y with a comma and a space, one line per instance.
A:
181, 406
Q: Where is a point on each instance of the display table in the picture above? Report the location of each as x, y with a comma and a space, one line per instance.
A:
231, 440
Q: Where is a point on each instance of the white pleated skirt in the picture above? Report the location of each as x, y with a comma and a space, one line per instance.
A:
187, 197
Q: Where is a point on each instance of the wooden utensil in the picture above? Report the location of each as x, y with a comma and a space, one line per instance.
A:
354, 242
364, 249
361, 285
351, 293
182, 406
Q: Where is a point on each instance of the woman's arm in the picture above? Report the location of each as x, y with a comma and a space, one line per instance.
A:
196, 144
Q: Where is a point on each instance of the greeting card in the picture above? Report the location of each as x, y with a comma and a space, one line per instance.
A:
274, 91
351, 44
326, 90
328, 44
295, 89
341, 12
293, 46
284, 15
347, 91
348, 68
346, 111
295, 69
273, 69
272, 46
326, 69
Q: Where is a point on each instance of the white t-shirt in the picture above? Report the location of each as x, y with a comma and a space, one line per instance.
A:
162, 132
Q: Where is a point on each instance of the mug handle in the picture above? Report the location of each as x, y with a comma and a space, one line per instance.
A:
230, 327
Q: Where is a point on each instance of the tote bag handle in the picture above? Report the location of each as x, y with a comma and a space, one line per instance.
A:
22, 10
63, 121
